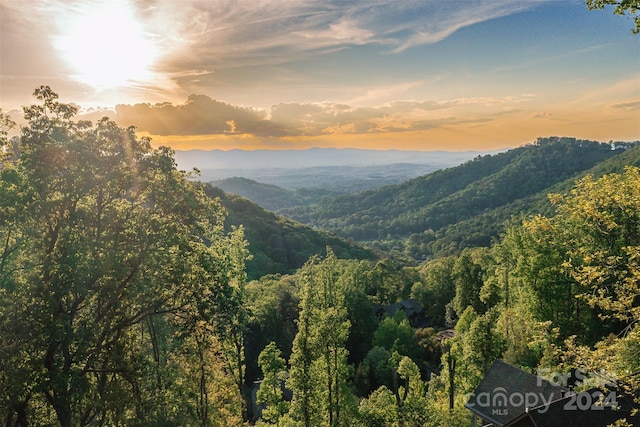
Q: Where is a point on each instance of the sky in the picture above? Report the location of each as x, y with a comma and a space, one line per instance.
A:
378, 74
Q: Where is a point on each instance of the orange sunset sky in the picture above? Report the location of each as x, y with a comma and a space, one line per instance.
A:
257, 74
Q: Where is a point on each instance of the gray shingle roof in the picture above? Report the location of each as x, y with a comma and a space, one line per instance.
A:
510, 397
581, 410
505, 393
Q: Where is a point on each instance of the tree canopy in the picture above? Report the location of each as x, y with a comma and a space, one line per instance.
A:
113, 268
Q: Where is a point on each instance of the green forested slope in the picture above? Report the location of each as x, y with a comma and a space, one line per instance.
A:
471, 200
278, 244
481, 229
268, 196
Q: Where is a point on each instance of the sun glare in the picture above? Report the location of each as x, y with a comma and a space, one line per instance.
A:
106, 46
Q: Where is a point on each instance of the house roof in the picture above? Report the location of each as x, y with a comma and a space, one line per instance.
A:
582, 409
412, 306
505, 393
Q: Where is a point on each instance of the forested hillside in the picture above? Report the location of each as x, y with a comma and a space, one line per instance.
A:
277, 244
484, 192
268, 196
482, 229
276, 189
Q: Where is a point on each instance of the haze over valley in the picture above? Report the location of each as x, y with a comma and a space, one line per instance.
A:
340, 170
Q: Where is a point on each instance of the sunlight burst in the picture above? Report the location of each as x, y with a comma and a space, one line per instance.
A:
107, 46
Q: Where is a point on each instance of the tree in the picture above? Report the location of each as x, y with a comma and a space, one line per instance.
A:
438, 288
410, 396
379, 409
603, 219
273, 308
576, 275
273, 377
362, 319
622, 7
108, 251
537, 284
467, 277
6, 124
232, 325
396, 334
320, 374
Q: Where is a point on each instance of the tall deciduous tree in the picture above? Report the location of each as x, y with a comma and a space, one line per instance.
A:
273, 377
467, 277
603, 221
106, 249
322, 395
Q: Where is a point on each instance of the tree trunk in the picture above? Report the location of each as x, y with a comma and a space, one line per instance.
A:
452, 373
63, 412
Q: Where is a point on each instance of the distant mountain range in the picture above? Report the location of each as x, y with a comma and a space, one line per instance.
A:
325, 179
320, 167
288, 159
449, 209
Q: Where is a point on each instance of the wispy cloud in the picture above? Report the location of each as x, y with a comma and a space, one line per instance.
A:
439, 20
627, 106
232, 33
609, 94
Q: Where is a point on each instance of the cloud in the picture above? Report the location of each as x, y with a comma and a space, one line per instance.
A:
627, 106
439, 20
201, 115
251, 32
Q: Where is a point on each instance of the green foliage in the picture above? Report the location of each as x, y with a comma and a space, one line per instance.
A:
273, 304
602, 219
279, 245
411, 395
437, 288
360, 311
523, 300
621, 7
320, 375
405, 404
546, 287
602, 235
123, 297
379, 410
114, 271
571, 287
396, 334
468, 281
6, 124
389, 281
268, 196
378, 366
270, 394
